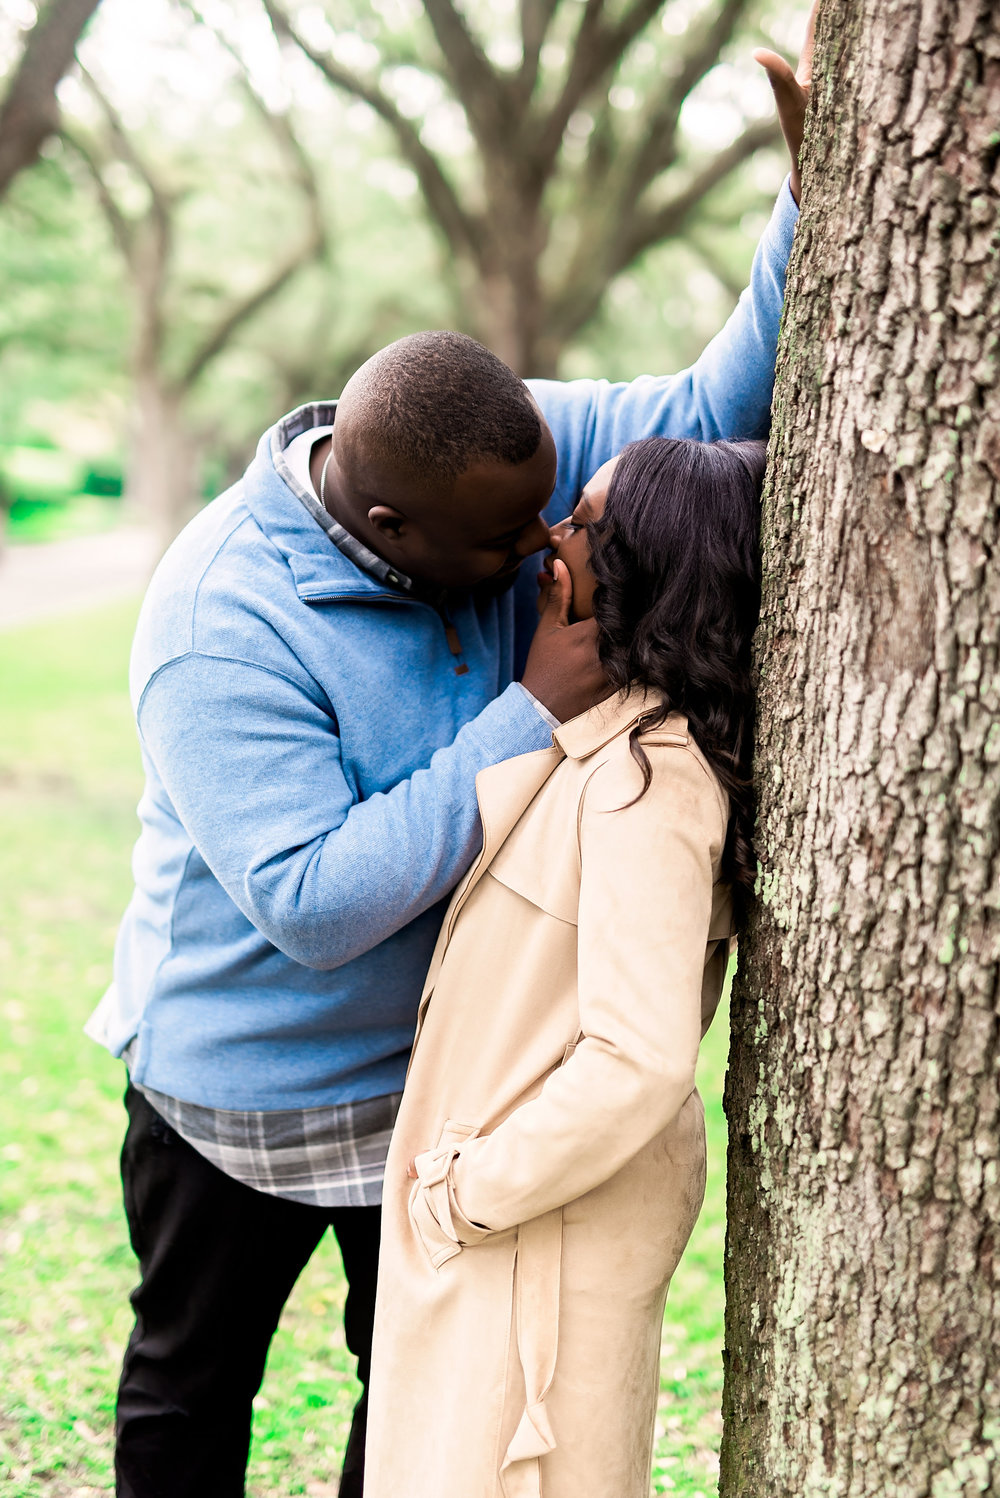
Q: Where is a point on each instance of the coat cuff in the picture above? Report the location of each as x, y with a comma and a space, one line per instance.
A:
437, 1219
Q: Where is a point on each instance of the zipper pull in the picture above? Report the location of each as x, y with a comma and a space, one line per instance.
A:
454, 645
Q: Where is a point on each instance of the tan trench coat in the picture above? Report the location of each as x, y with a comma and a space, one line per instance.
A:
558, 1136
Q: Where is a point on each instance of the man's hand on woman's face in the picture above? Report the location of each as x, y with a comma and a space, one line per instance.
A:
562, 669
791, 94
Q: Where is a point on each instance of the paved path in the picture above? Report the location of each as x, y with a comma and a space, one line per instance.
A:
49, 578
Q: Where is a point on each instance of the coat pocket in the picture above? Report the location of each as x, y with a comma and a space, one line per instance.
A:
435, 1215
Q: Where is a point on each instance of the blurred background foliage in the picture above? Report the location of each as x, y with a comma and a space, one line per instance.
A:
242, 199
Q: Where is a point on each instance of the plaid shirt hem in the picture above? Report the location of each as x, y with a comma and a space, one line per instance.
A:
324, 1157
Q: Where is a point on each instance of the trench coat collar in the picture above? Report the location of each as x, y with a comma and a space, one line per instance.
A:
599, 725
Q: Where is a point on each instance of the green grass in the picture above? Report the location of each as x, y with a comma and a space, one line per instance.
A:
69, 781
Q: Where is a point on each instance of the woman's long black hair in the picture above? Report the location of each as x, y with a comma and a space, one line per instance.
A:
676, 556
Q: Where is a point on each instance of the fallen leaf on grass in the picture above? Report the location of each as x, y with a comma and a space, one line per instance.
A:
86, 1434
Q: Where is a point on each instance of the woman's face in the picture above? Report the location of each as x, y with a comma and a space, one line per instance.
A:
570, 545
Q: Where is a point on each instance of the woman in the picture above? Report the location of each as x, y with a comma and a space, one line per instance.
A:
550, 1127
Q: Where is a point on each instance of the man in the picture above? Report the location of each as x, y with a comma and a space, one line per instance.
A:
325, 659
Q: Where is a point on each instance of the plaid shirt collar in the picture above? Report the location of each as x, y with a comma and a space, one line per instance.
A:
296, 424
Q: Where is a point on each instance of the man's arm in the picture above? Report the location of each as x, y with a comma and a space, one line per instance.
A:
727, 393
251, 762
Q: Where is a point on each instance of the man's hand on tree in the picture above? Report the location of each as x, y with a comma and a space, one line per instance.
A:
791, 94
562, 669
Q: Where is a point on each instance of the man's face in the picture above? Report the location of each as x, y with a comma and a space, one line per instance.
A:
478, 534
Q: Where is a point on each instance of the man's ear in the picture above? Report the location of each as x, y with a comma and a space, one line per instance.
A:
388, 521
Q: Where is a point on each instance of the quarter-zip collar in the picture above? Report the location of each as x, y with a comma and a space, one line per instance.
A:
325, 562
306, 419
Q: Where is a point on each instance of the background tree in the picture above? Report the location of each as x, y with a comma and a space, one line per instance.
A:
863, 1260
29, 113
577, 161
63, 325
142, 212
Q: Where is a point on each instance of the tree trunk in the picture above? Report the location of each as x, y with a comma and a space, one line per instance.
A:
505, 300
863, 1258
503, 321
161, 487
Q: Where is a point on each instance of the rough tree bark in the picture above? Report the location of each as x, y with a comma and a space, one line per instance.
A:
864, 1093
29, 113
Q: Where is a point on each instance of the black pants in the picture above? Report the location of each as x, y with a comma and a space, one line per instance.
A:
218, 1261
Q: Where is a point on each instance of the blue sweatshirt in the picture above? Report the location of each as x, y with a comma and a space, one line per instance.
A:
311, 754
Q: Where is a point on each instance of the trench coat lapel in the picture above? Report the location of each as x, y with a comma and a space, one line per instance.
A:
504, 790
507, 789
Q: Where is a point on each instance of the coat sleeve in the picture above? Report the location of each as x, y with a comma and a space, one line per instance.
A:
251, 762
644, 917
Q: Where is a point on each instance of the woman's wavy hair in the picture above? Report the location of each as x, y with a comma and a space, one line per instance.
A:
676, 556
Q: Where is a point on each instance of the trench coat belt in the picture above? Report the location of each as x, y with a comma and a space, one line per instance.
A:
444, 1231
536, 1323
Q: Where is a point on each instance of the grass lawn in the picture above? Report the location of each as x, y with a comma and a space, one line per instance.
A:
68, 785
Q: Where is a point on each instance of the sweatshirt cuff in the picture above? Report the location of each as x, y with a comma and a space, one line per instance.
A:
511, 725
784, 217
539, 707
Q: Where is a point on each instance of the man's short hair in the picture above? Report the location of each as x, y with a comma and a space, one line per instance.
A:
435, 402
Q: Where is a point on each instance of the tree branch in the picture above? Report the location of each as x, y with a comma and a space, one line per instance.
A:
479, 86
311, 246
30, 112
243, 310
460, 230
536, 18
122, 229
142, 259
277, 123
598, 51
605, 255
160, 198
628, 28
145, 242
665, 222
659, 129
587, 54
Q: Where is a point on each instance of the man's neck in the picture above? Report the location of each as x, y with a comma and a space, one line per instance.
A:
317, 459
323, 481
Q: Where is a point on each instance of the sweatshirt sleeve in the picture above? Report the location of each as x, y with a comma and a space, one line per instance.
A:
644, 917
251, 762
725, 394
